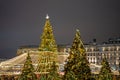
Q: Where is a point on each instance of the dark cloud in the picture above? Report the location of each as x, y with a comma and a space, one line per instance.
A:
22, 21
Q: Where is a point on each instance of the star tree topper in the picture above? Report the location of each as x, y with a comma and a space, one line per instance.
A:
47, 17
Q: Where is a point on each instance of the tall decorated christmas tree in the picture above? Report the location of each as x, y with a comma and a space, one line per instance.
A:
47, 39
105, 72
77, 63
28, 70
47, 49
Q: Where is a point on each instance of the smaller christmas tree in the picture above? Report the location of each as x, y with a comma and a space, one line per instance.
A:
28, 70
105, 72
77, 63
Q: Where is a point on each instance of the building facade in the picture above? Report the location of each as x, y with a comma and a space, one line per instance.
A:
94, 53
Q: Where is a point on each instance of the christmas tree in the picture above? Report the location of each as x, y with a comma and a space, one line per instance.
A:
47, 49
77, 62
47, 39
105, 72
28, 70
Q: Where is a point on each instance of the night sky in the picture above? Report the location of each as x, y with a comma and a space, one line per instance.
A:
22, 21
